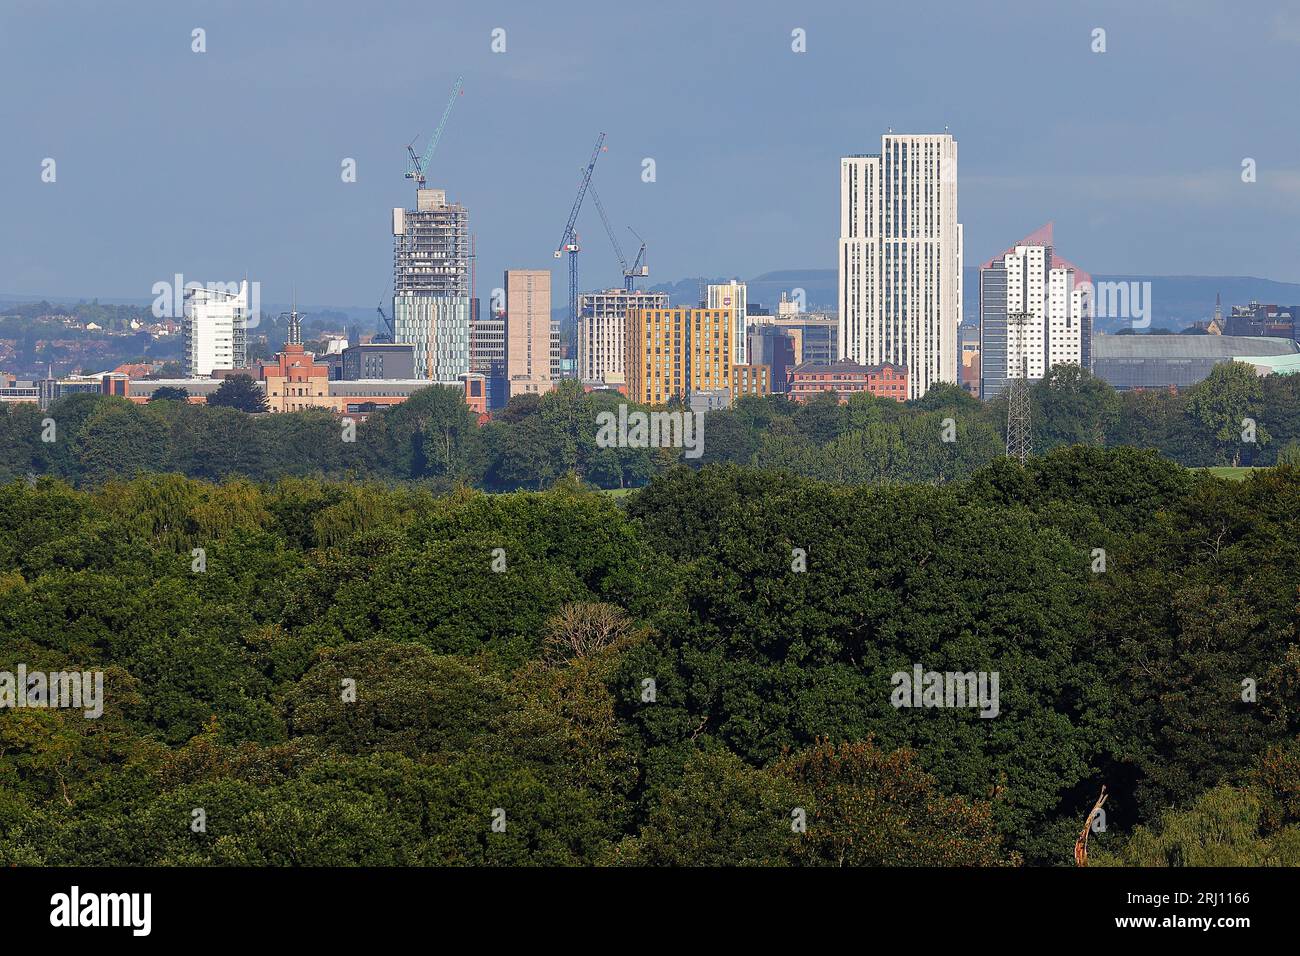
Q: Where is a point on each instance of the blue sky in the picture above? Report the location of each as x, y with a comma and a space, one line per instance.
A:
227, 163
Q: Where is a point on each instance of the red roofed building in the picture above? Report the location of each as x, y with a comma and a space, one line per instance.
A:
1042, 236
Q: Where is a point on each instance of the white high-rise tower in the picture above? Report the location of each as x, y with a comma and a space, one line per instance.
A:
215, 329
733, 295
900, 257
1035, 313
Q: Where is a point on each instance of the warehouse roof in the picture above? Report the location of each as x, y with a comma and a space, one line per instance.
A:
1188, 346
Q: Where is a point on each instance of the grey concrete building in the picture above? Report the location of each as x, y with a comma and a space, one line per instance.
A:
1177, 361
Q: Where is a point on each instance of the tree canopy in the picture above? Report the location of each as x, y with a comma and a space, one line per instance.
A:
699, 672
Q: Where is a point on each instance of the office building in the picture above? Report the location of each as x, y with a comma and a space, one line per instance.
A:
431, 284
750, 380
476, 394
815, 336
488, 346
531, 341
968, 358
562, 366
709, 400
1266, 320
46, 391
198, 390
900, 258
14, 390
296, 381
675, 352
777, 348
377, 360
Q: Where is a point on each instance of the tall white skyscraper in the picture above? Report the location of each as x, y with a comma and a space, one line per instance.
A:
215, 330
733, 295
900, 258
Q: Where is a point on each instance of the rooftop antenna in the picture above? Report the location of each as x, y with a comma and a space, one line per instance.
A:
295, 321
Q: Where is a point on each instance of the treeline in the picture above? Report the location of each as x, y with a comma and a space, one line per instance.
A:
332, 673
1234, 417
115, 318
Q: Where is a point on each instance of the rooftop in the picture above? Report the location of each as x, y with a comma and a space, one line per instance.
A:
844, 365
1189, 346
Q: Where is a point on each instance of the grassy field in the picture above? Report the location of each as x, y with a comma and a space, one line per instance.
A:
617, 492
1227, 471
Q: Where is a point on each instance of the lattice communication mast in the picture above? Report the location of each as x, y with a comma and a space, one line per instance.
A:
1018, 443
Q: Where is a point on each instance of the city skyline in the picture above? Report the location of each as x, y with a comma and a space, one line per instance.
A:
1135, 181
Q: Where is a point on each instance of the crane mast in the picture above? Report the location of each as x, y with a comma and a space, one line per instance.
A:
569, 240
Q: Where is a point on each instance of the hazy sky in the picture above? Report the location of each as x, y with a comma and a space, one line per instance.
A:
227, 163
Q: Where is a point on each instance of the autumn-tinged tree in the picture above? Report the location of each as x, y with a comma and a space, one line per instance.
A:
581, 630
871, 808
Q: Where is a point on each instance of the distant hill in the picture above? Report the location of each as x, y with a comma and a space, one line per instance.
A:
333, 316
1177, 301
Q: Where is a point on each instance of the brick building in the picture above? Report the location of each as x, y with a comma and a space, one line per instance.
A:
846, 379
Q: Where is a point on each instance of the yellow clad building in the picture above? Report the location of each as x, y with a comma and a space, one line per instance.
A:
670, 352
750, 380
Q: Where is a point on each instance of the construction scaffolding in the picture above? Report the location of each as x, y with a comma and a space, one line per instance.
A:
432, 255
431, 247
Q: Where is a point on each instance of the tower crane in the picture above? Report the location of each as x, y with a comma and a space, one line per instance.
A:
391, 334
418, 164
638, 268
569, 241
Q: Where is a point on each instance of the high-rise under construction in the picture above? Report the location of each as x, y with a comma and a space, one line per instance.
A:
431, 284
